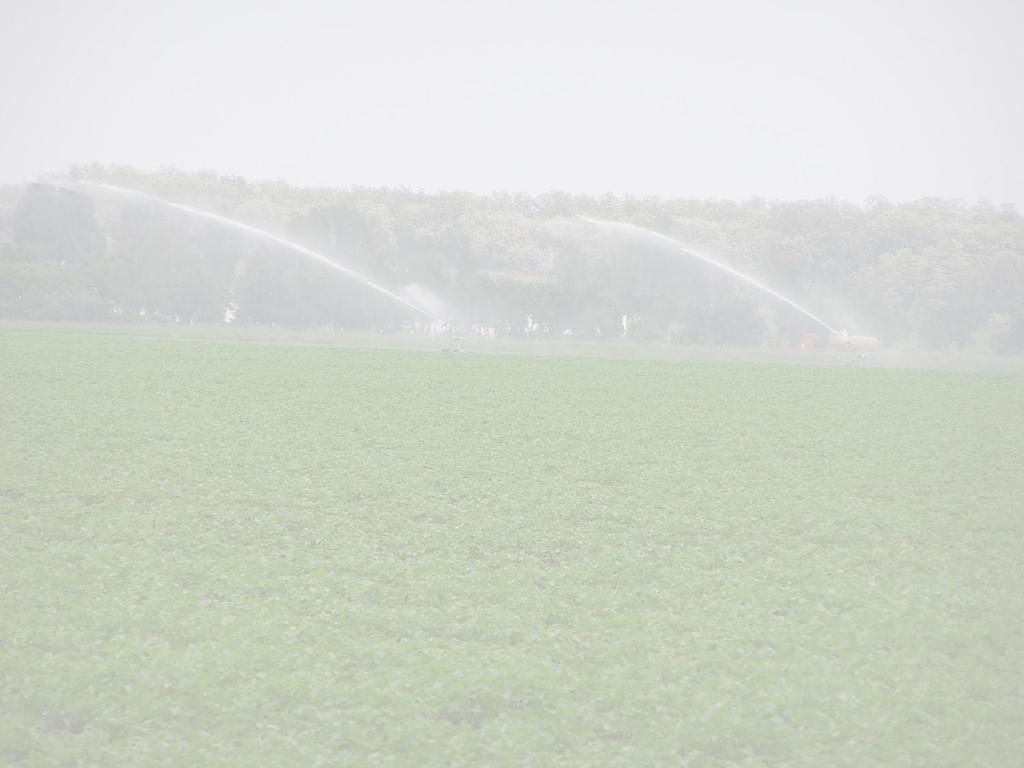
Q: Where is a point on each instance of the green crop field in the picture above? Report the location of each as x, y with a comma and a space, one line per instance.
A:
248, 554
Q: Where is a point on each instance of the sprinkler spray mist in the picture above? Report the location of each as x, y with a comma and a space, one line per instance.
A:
671, 241
858, 344
262, 233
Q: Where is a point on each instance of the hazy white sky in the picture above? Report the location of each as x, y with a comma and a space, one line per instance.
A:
799, 99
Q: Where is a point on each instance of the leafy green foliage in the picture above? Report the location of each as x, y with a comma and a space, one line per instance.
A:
930, 274
240, 554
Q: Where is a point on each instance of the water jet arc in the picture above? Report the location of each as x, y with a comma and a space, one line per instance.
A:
248, 228
633, 229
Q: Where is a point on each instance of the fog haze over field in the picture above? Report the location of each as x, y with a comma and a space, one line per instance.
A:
736, 99
521, 383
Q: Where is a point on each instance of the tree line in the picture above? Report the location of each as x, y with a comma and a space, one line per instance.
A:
930, 274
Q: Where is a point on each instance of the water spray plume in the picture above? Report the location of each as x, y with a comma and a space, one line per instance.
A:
262, 233
671, 241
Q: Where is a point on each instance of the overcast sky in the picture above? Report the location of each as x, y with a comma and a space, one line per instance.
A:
799, 99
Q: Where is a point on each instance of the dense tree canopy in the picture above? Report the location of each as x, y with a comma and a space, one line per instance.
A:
930, 274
